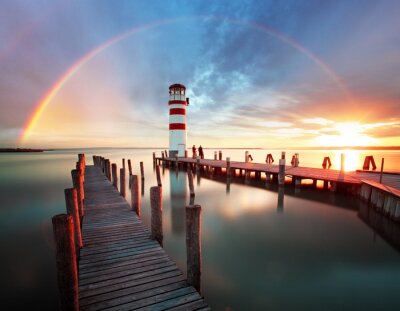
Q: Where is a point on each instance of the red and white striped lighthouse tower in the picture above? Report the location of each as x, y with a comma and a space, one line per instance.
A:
177, 120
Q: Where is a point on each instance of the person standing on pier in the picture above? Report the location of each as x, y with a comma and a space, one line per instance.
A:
194, 152
201, 154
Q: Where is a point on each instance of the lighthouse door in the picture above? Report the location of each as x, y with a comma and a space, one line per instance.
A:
181, 150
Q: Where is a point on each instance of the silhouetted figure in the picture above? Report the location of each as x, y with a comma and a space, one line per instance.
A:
201, 154
194, 152
250, 157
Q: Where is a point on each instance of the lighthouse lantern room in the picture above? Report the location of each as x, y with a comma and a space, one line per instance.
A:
177, 120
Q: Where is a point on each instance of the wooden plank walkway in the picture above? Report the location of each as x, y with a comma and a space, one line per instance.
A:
389, 180
120, 267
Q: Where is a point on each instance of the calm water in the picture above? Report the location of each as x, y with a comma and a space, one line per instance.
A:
306, 250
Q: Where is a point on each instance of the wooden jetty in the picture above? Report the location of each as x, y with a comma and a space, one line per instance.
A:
120, 267
381, 190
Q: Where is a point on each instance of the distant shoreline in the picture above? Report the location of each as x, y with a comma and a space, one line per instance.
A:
208, 148
22, 150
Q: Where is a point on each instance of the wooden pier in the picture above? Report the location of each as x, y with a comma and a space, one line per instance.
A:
120, 267
384, 195
116, 265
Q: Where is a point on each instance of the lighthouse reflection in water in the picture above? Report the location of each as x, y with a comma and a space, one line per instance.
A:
178, 186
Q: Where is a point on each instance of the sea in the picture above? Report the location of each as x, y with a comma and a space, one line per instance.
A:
262, 249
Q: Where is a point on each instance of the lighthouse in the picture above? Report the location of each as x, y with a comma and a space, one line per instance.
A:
177, 120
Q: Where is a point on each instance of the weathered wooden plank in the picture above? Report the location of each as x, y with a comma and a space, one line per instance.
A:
120, 301
160, 301
146, 284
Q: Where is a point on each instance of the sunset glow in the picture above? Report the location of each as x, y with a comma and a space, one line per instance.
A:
259, 82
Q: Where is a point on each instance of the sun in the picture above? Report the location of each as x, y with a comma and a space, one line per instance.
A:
345, 134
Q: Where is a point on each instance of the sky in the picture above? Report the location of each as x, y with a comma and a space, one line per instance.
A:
269, 74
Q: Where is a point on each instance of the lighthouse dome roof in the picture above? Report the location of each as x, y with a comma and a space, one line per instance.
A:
176, 85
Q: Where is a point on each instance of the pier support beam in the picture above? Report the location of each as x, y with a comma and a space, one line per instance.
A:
77, 181
71, 202
141, 170
156, 214
158, 176
122, 182
281, 178
114, 175
135, 198
193, 246
67, 272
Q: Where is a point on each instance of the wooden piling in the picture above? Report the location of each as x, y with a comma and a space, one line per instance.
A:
220, 155
67, 272
141, 170
380, 176
158, 176
154, 158
130, 166
228, 166
122, 182
342, 161
114, 175
78, 185
246, 157
135, 198
108, 169
71, 202
215, 155
197, 165
123, 163
283, 155
190, 179
193, 246
281, 178
156, 214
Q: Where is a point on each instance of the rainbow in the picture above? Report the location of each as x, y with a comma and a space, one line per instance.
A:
71, 71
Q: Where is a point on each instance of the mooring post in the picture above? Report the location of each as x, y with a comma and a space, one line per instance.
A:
135, 197
283, 155
122, 182
154, 158
141, 170
197, 165
381, 174
108, 169
176, 161
190, 179
215, 155
228, 166
114, 175
67, 271
158, 176
156, 214
220, 155
281, 179
123, 163
78, 185
342, 160
246, 157
193, 246
71, 202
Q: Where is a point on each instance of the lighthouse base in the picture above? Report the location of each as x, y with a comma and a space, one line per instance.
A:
173, 153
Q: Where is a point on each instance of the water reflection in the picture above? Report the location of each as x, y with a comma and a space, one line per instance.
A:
385, 227
281, 195
178, 193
